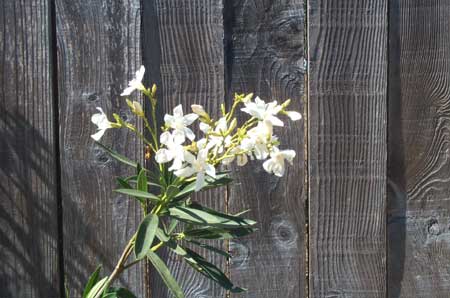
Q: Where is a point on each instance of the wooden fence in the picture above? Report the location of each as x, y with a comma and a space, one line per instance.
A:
363, 213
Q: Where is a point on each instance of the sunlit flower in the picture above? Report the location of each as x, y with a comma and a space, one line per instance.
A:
102, 122
293, 115
217, 139
197, 165
136, 83
276, 163
258, 140
264, 111
179, 122
173, 150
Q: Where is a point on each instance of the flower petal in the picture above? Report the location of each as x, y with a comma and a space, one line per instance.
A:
178, 111
185, 172
199, 181
189, 134
163, 156
189, 118
210, 170
98, 135
127, 91
293, 115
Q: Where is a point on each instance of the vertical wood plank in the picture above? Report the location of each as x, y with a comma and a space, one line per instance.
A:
99, 50
265, 43
28, 200
419, 143
183, 50
347, 148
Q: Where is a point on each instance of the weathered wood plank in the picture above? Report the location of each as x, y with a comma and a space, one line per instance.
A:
419, 143
28, 196
265, 56
98, 52
347, 148
183, 49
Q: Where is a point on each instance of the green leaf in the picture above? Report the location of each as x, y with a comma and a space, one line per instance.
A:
221, 180
139, 195
145, 235
123, 183
133, 179
93, 279
211, 248
117, 156
161, 235
172, 191
173, 224
98, 286
118, 293
204, 216
218, 233
211, 271
142, 181
165, 275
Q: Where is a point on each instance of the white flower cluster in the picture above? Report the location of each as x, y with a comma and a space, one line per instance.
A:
222, 142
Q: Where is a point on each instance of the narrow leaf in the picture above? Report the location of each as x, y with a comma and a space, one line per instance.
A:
218, 233
203, 216
211, 248
211, 271
221, 180
139, 195
117, 156
142, 181
98, 287
93, 279
165, 275
145, 235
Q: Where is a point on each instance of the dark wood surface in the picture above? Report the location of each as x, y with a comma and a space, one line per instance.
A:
28, 199
99, 50
183, 49
419, 167
264, 44
347, 149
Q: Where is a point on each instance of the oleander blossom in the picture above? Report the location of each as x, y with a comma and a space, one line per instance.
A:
102, 122
190, 153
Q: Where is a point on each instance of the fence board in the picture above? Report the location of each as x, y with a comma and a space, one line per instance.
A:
183, 47
347, 151
98, 52
419, 210
28, 204
265, 55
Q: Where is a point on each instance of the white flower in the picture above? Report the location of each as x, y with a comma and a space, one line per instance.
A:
136, 83
276, 164
174, 149
218, 140
102, 123
197, 166
264, 111
257, 140
179, 122
293, 115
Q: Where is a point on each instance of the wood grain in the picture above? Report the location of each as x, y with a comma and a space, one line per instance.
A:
419, 143
28, 199
265, 42
347, 148
99, 50
183, 50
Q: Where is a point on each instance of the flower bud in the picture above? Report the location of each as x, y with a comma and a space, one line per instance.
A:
154, 90
247, 98
198, 109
